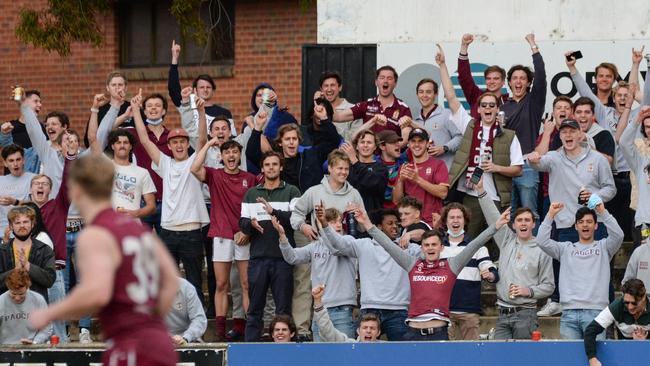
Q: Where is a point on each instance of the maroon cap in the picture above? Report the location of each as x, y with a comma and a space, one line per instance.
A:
388, 137
179, 132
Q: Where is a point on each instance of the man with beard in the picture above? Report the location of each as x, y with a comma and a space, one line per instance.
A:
384, 284
228, 186
26, 253
486, 145
331, 86
392, 113
425, 178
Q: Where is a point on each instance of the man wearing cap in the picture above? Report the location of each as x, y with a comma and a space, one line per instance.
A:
181, 218
391, 156
425, 178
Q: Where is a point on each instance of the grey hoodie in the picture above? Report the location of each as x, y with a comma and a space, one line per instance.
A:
566, 177
186, 317
329, 267
384, 284
14, 324
442, 132
637, 154
313, 196
584, 273
523, 264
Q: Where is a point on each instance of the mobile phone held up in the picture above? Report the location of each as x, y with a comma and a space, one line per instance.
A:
574, 56
476, 175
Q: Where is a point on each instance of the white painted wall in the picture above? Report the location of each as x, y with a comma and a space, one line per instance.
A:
380, 21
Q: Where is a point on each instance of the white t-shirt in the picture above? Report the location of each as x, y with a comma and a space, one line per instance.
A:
461, 118
131, 183
16, 187
44, 238
182, 201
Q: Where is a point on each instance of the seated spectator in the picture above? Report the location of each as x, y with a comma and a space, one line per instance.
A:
329, 268
413, 227
431, 277
435, 119
369, 328
367, 174
585, 272
27, 253
282, 329
186, 319
628, 313
525, 271
465, 303
15, 307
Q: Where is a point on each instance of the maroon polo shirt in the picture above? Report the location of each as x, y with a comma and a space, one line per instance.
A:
144, 161
368, 109
471, 91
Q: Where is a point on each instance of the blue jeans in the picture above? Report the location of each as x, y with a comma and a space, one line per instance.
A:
56, 293
415, 335
393, 322
524, 190
341, 317
574, 322
70, 272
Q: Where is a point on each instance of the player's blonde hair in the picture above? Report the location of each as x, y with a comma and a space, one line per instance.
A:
94, 174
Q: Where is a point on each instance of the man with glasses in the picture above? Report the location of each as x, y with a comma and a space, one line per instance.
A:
486, 145
630, 314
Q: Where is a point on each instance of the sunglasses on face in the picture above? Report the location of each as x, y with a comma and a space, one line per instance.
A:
486, 105
628, 303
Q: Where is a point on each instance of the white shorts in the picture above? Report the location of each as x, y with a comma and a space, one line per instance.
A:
225, 250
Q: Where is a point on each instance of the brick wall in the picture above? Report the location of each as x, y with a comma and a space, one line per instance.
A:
268, 40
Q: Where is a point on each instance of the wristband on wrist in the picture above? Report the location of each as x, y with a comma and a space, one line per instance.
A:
94, 110
17, 202
534, 47
481, 195
319, 308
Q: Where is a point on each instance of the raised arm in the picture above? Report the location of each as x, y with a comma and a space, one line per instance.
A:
457, 263
105, 127
173, 81
539, 88
471, 91
43, 149
545, 141
637, 56
492, 215
447, 85
548, 246
327, 330
93, 122
141, 129
585, 91
197, 168
614, 238
203, 125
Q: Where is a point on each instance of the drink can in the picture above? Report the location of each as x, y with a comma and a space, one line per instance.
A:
536, 336
54, 340
193, 101
18, 93
510, 291
266, 94
486, 157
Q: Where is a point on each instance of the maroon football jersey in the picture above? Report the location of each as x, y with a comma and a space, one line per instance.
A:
431, 287
129, 321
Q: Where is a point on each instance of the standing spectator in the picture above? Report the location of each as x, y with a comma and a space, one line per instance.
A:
331, 86
431, 278
628, 313
523, 114
384, 284
487, 145
15, 307
583, 110
393, 114
26, 253
15, 131
329, 268
368, 175
410, 218
181, 219
392, 158
637, 266
584, 274
14, 186
186, 319
228, 186
495, 79
465, 303
133, 184
155, 132
606, 76
575, 173
116, 85
425, 178
525, 271
435, 119
266, 267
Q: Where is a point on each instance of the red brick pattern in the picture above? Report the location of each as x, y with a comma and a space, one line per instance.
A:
268, 40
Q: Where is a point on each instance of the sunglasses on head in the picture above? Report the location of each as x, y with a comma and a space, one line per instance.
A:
486, 104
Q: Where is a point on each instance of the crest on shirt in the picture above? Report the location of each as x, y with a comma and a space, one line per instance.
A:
178, 306
435, 126
396, 114
590, 168
428, 171
244, 183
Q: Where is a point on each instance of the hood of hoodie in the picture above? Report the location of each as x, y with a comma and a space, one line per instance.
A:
346, 189
254, 107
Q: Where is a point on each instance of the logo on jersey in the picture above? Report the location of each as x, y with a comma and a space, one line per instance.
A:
430, 278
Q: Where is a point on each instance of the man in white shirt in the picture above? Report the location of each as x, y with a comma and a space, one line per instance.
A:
132, 183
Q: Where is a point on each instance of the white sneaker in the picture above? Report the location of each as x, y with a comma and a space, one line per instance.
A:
84, 336
551, 308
